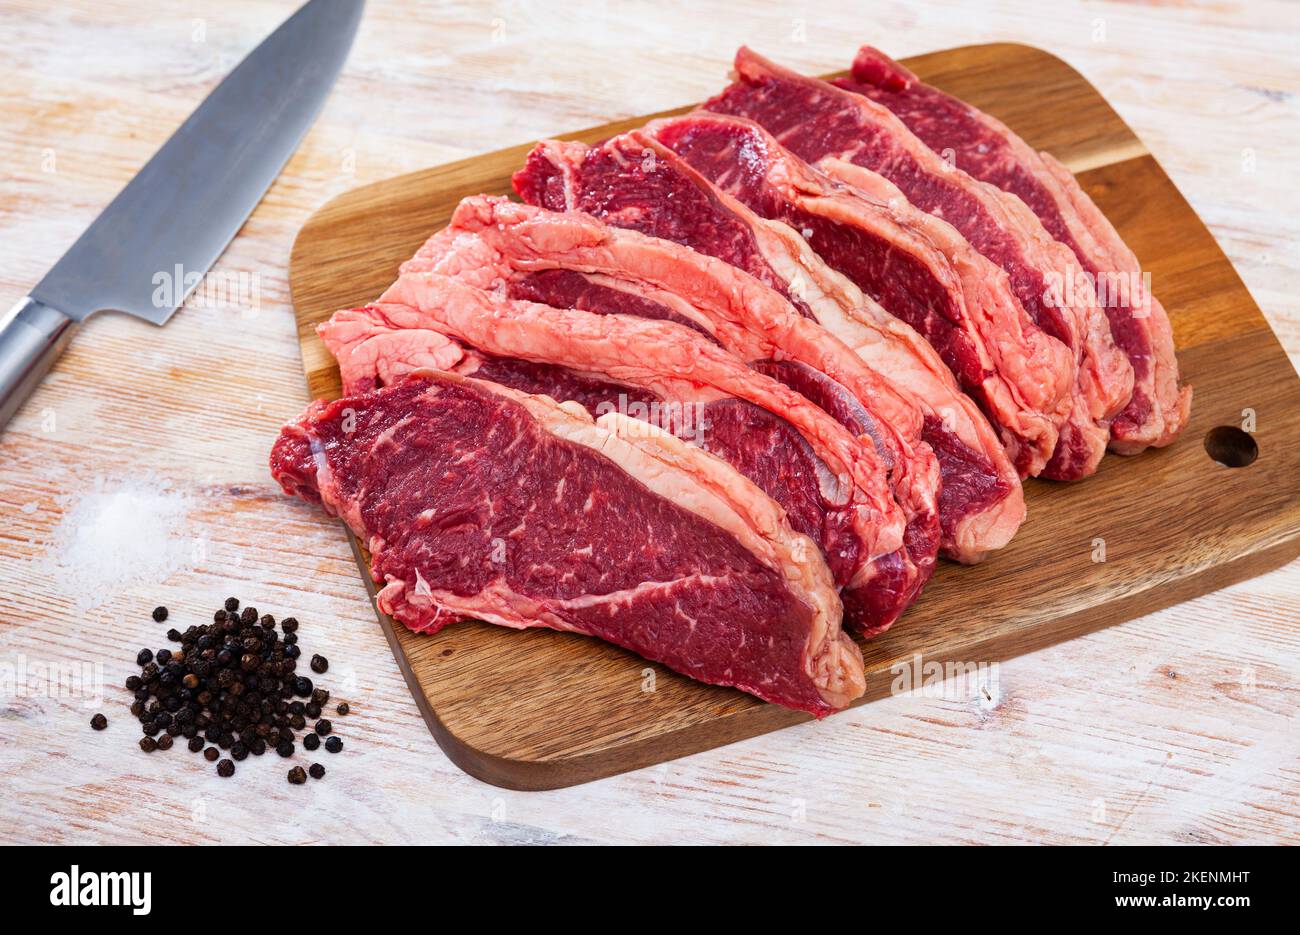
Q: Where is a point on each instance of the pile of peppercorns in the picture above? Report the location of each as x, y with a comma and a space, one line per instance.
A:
231, 685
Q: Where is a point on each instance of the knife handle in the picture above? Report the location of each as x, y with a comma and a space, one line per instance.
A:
32, 336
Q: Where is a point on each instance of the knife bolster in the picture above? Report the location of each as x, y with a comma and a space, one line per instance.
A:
32, 336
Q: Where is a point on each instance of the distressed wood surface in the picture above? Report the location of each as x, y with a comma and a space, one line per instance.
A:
539, 711
1179, 727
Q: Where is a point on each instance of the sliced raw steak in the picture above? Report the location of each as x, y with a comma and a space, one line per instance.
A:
572, 260
633, 181
915, 265
832, 485
818, 121
989, 150
645, 542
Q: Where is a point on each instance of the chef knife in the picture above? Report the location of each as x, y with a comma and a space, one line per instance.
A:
188, 201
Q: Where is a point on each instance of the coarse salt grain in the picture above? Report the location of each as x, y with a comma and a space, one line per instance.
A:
120, 534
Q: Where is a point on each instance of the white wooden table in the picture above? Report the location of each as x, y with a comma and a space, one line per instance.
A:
1180, 727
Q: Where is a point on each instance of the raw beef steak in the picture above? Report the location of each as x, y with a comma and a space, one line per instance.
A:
818, 121
831, 484
572, 260
639, 539
634, 181
915, 265
989, 150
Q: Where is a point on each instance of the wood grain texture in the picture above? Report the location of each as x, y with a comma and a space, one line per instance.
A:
537, 710
1176, 728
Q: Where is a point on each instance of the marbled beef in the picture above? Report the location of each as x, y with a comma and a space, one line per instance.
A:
831, 484
838, 130
477, 501
987, 149
633, 181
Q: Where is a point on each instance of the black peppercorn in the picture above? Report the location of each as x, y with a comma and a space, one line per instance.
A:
297, 776
344, 708
230, 685
99, 722
317, 770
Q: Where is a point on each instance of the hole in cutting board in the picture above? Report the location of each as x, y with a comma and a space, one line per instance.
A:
1230, 446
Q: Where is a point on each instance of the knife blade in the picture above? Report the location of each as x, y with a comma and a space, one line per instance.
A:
182, 209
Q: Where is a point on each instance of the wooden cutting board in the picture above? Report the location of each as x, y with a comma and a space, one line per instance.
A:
539, 710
